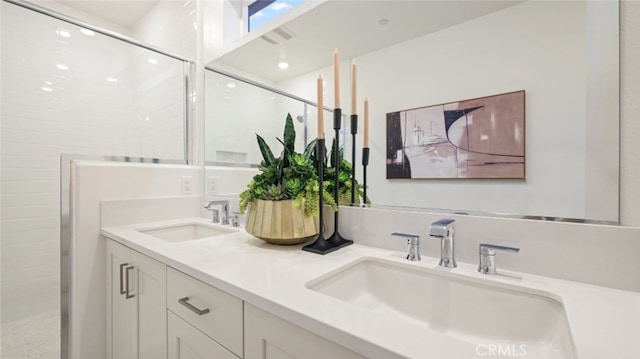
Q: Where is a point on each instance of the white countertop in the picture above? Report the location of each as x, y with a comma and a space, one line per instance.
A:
605, 323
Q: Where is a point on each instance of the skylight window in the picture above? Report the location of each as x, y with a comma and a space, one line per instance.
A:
263, 11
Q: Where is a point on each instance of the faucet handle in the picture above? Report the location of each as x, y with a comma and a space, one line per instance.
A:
413, 240
487, 252
215, 215
235, 219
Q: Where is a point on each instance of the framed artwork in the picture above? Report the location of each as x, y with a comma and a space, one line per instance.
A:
477, 138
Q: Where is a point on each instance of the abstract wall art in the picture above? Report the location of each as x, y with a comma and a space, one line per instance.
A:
476, 138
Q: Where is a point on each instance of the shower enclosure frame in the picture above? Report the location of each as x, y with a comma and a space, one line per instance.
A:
66, 208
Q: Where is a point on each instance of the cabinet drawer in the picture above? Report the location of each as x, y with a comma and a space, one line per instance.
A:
214, 312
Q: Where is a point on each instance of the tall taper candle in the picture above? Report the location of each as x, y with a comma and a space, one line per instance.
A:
320, 109
354, 88
336, 79
366, 123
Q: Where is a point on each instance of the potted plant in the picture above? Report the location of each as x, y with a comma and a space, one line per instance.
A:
282, 200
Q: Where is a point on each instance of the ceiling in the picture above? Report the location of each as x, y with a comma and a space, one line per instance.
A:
124, 13
354, 27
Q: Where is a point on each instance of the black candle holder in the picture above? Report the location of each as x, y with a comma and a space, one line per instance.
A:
354, 131
336, 239
320, 245
365, 163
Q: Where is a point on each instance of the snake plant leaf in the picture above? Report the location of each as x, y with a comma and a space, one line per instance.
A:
284, 155
332, 156
311, 148
268, 156
289, 135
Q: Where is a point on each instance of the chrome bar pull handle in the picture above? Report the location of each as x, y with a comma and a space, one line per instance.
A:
126, 279
122, 291
185, 301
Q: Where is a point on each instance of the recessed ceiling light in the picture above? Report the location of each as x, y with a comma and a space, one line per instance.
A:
46, 89
63, 33
231, 85
87, 32
48, 83
283, 65
62, 67
152, 61
112, 79
383, 22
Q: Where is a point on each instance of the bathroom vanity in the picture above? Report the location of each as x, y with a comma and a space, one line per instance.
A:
230, 295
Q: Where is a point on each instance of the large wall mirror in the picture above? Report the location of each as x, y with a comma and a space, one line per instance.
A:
411, 54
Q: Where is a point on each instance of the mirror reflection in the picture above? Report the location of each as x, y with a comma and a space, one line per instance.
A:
551, 49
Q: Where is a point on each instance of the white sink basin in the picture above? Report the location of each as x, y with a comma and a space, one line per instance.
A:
187, 232
476, 311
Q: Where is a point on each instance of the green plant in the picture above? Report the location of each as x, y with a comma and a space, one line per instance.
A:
345, 185
292, 175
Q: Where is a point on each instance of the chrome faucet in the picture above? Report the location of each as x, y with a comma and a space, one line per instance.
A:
443, 229
413, 254
487, 263
225, 211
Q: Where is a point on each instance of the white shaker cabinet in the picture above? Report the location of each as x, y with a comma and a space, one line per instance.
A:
136, 305
157, 312
269, 337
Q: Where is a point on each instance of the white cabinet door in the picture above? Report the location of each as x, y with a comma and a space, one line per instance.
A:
269, 337
120, 310
150, 291
136, 313
187, 342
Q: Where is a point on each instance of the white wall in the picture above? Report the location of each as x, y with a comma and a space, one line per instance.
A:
83, 16
171, 26
441, 67
82, 114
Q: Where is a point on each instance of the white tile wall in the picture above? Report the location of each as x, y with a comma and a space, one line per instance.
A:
140, 115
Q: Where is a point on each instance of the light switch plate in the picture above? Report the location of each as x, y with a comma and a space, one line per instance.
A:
212, 185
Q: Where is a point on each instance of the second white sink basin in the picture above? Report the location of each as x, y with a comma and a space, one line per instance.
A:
187, 232
475, 311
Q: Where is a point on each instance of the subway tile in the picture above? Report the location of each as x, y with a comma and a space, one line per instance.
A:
29, 199
25, 224
21, 161
30, 187
28, 149
37, 211
30, 174
30, 236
